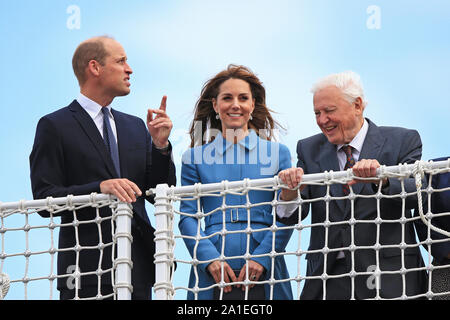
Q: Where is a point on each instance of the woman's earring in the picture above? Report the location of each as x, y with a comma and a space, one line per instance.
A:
217, 116
251, 117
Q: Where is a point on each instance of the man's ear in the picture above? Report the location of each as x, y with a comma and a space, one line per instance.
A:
94, 68
359, 106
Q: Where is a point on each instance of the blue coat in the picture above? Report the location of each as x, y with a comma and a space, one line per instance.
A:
220, 160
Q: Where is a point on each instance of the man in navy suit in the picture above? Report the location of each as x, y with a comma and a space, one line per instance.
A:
89, 147
349, 140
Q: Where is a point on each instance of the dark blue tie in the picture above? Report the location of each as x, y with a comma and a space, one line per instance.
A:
110, 141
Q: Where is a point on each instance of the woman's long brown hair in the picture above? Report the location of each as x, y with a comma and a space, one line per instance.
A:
204, 113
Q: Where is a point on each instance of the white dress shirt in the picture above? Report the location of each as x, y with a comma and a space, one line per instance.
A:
95, 111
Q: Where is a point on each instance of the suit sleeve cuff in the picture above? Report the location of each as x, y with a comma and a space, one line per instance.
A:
166, 151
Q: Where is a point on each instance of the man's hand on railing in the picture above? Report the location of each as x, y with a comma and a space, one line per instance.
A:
292, 178
367, 168
124, 189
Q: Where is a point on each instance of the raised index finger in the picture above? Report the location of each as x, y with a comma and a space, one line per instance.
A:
163, 103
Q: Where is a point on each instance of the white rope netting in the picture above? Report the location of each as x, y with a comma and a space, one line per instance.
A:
418, 173
171, 284
4, 285
29, 245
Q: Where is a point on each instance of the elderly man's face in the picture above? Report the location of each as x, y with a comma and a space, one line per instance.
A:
338, 119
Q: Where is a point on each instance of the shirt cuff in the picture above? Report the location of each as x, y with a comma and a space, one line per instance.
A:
285, 210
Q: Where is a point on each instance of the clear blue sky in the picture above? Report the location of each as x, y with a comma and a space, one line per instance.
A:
400, 49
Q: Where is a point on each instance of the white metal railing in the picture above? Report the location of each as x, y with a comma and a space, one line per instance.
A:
19, 220
167, 212
21, 217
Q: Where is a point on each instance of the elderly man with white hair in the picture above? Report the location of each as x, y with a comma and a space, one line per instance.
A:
349, 140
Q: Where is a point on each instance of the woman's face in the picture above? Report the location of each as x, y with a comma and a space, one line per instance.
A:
234, 104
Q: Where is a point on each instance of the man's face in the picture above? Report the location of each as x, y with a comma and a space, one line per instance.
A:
338, 119
115, 74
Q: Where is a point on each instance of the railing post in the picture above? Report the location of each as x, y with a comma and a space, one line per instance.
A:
123, 262
162, 237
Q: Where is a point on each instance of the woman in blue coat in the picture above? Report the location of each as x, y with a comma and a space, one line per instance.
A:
232, 115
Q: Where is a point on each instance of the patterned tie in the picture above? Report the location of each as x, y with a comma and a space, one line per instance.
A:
350, 163
110, 141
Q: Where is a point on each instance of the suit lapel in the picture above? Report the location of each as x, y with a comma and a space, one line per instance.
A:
329, 161
91, 130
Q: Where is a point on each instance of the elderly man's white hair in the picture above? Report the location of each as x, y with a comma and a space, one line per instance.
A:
348, 82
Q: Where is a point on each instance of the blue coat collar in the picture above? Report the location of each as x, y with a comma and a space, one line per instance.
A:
249, 142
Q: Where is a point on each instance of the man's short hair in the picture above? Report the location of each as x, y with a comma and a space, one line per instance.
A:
91, 49
348, 82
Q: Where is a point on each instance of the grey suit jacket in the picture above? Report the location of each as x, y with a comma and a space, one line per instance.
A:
390, 146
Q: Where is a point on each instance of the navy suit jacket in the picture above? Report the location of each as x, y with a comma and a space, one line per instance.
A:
390, 146
69, 157
440, 202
